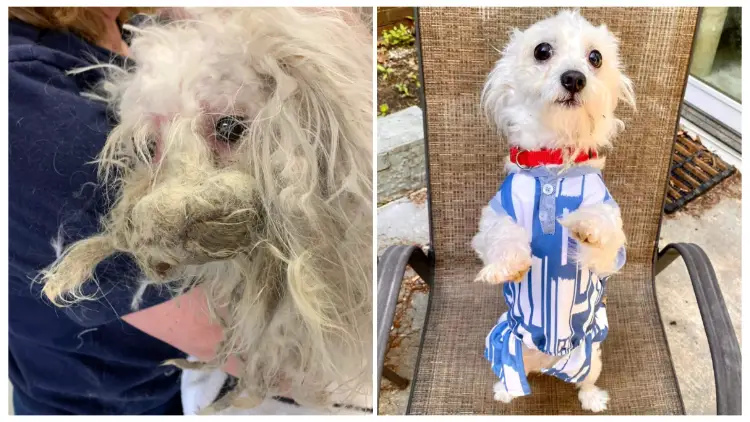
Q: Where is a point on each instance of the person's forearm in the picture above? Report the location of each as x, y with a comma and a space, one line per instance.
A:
184, 322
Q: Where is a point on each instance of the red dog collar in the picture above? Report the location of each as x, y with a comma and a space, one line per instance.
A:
543, 157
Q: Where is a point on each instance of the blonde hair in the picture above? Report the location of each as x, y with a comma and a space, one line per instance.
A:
85, 22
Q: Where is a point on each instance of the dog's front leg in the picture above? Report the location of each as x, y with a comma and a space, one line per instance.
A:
503, 246
598, 229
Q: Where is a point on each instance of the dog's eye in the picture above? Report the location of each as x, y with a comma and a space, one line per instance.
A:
151, 146
230, 129
147, 151
543, 52
595, 58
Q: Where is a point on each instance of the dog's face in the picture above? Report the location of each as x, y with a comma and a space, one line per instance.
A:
226, 117
186, 153
557, 84
210, 71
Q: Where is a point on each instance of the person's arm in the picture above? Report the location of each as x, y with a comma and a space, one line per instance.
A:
184, 322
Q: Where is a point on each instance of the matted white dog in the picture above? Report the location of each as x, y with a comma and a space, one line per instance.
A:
242, 162
552, 232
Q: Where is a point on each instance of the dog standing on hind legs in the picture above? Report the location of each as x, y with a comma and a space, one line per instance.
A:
552, 234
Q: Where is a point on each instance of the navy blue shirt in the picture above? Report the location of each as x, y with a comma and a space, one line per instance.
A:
81, 359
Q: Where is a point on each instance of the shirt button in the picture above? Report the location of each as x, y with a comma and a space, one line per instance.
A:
548, 189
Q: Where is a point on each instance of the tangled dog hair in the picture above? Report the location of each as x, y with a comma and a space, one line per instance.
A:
241, 162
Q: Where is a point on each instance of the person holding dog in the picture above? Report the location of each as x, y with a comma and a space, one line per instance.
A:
96, 357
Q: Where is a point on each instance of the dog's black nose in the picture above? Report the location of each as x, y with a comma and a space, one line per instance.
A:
573, 81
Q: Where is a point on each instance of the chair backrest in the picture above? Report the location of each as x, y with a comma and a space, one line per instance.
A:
466, 156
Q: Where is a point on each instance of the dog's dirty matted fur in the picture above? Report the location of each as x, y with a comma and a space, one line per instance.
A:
242, 162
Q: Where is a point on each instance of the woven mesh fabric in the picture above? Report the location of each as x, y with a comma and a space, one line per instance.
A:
466, 166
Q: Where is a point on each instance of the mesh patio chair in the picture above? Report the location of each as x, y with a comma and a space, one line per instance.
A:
465, 166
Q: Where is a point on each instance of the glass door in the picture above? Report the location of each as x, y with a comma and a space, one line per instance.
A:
715, 83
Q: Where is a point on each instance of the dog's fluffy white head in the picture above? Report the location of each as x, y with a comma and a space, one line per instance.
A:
242, 161
525, 97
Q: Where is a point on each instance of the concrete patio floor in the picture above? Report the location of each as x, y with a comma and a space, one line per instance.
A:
712, 221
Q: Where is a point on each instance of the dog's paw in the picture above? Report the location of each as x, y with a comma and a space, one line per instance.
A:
502, 272
501, 394
585, 231
597, 226
599, 250
593, 398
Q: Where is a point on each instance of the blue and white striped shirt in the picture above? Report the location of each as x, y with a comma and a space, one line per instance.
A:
557, 309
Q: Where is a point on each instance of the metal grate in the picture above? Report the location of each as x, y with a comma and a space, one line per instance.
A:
694, 171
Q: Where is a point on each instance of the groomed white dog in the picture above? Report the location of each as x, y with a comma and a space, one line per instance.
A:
242, 162
552, 232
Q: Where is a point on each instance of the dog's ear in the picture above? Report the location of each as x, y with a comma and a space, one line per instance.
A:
513, 36
627, 91
497, 93
498, 87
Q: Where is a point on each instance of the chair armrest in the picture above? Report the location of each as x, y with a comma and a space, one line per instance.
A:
722, 341
391, 269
